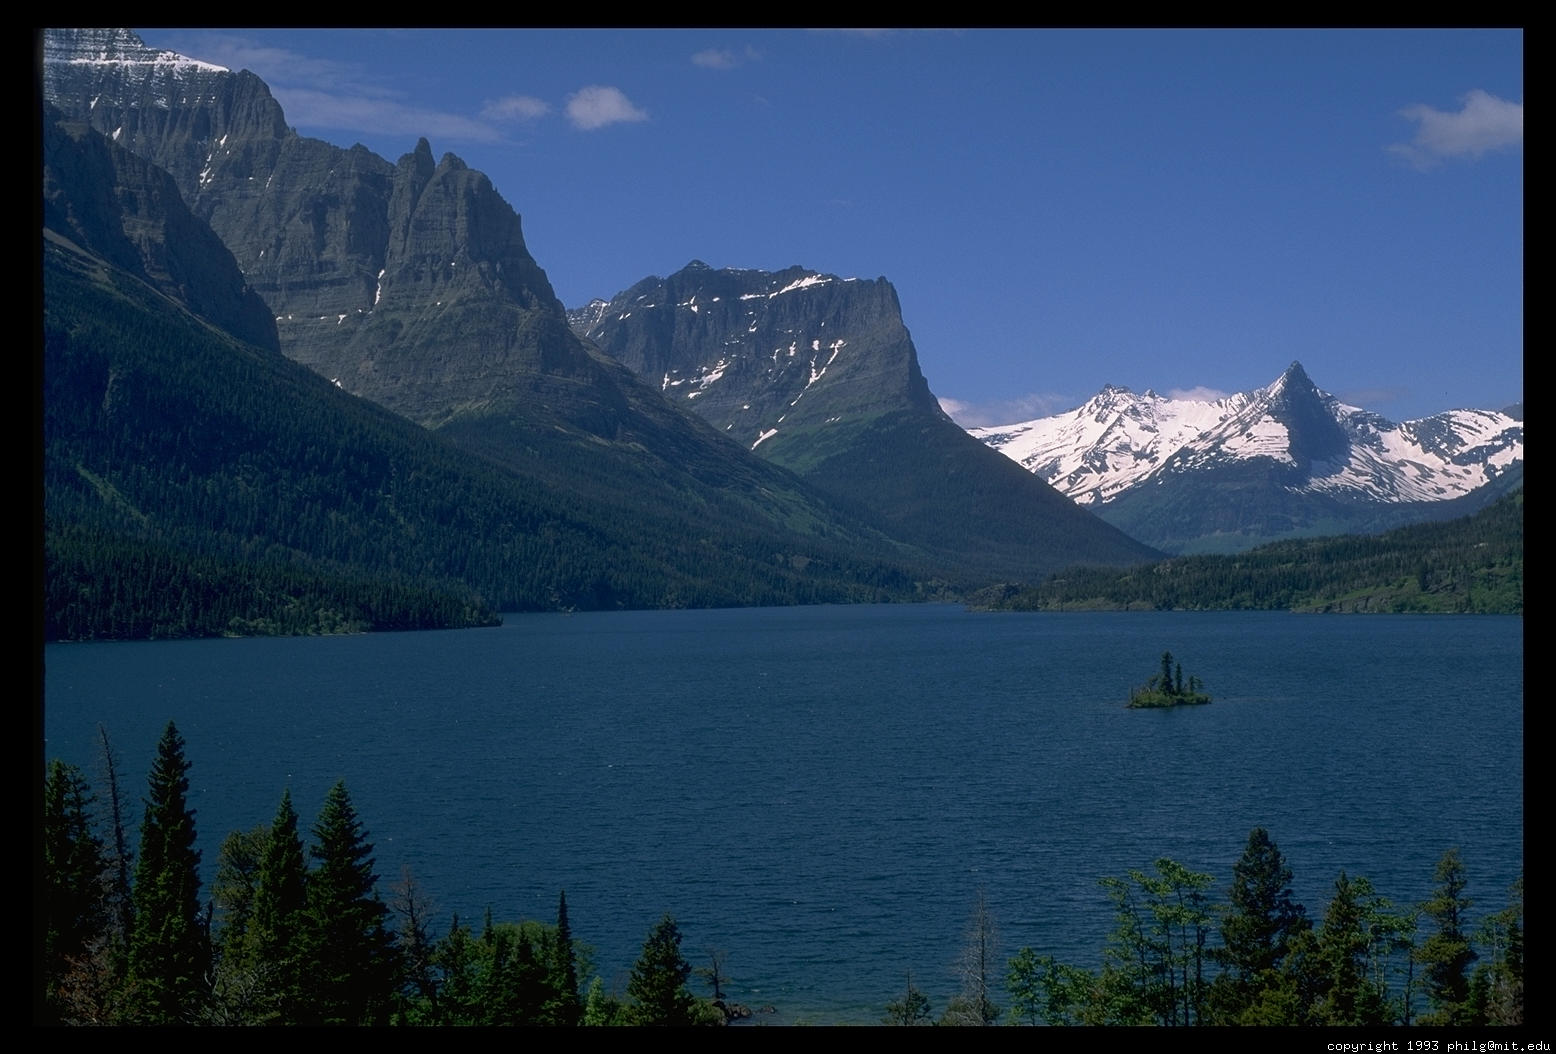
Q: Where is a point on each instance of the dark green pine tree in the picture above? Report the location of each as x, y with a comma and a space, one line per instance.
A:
1262, 919
911, 1009
238, 994
75, 871
169, 948
1447, 954
658, 982
353, 965
279, 920
498, 1003
564, 1006
456, 959
531, 975
1348, 997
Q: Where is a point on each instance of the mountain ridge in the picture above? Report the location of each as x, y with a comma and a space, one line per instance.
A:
818, 373
1129, 457
199, 484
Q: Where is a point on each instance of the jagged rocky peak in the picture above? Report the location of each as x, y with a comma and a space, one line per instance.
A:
419, 160
192, 118
1275, 446
765, 355
367, 266
1294, 383
1313, 433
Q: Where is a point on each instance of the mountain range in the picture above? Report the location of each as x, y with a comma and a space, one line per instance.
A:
819, 374
409, 284
713, 437
1281, 461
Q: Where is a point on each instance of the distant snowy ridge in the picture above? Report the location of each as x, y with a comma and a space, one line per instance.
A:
1120, 440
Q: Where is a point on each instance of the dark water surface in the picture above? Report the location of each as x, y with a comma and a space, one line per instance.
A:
821, 792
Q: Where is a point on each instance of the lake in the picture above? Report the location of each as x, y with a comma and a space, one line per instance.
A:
821, 793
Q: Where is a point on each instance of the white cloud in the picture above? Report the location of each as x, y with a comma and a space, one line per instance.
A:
332, 94
1484, 123
277, 65
1005, 411
306, 108
1197, 394
599, 105
716, 59
724, 58
515, 108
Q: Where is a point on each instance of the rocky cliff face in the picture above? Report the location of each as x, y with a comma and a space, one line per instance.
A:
765, 356
410, 284
129, 212
819, 374
406, 283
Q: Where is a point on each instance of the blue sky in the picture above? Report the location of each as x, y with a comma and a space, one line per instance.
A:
1058, 210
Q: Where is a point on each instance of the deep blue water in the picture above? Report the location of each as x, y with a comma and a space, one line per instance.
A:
822, 792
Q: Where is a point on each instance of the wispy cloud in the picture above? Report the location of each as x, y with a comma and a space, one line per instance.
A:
724, 58
1197, 394
307, 108
1005, 411
1483, 123
279, 65
515, 108
340, 96
599, 105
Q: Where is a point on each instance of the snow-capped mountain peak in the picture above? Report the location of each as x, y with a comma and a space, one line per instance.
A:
1309, 440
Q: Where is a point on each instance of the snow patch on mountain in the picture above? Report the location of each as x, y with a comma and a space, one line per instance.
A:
1119, 440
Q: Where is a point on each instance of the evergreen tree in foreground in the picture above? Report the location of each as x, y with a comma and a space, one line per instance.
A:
1348, 996
1258, 927
280, 903
911, 1009
1447, 954
353, 962
75, 869
238, 993
169, 950
658, 983
564, 1006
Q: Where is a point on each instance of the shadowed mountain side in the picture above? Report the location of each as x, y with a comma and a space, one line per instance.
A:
410, 284
129, 212
181, 464
953, 501
818, 374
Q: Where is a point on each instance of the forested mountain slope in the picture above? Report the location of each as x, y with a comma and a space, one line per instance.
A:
1472, 565
197, 483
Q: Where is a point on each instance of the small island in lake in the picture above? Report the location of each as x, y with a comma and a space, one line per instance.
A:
1167, 688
